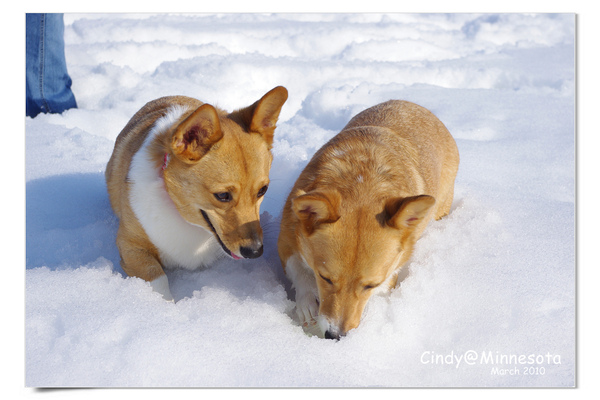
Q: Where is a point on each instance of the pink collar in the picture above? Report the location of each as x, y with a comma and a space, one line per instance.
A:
165, 161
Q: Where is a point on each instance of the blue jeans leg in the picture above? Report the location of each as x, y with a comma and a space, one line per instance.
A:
48, 84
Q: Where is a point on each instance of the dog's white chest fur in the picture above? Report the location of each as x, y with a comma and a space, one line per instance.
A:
180, 243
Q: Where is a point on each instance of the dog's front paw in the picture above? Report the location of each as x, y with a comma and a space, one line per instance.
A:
307, 309
161, 285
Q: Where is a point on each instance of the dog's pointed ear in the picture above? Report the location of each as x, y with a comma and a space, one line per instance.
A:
266, 113
409, 212
196, 134
316, 208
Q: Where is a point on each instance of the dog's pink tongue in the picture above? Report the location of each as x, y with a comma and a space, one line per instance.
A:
234, 256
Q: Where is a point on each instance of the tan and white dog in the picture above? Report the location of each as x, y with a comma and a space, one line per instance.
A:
186, 180
354, 214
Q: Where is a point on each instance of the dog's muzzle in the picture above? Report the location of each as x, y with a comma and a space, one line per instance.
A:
248, 252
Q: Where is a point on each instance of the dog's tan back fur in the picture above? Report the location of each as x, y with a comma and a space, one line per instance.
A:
363, 200
131, 139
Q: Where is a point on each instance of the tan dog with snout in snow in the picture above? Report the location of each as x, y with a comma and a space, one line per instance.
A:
186, 180
353, 216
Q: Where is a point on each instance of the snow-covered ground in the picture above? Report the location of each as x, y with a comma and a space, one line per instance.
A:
490, 295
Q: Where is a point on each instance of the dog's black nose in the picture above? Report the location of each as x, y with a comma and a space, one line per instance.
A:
331, 335
248, 252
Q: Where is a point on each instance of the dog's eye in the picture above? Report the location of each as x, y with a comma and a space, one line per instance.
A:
224, 197
262, 191
369, 287
326, 279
